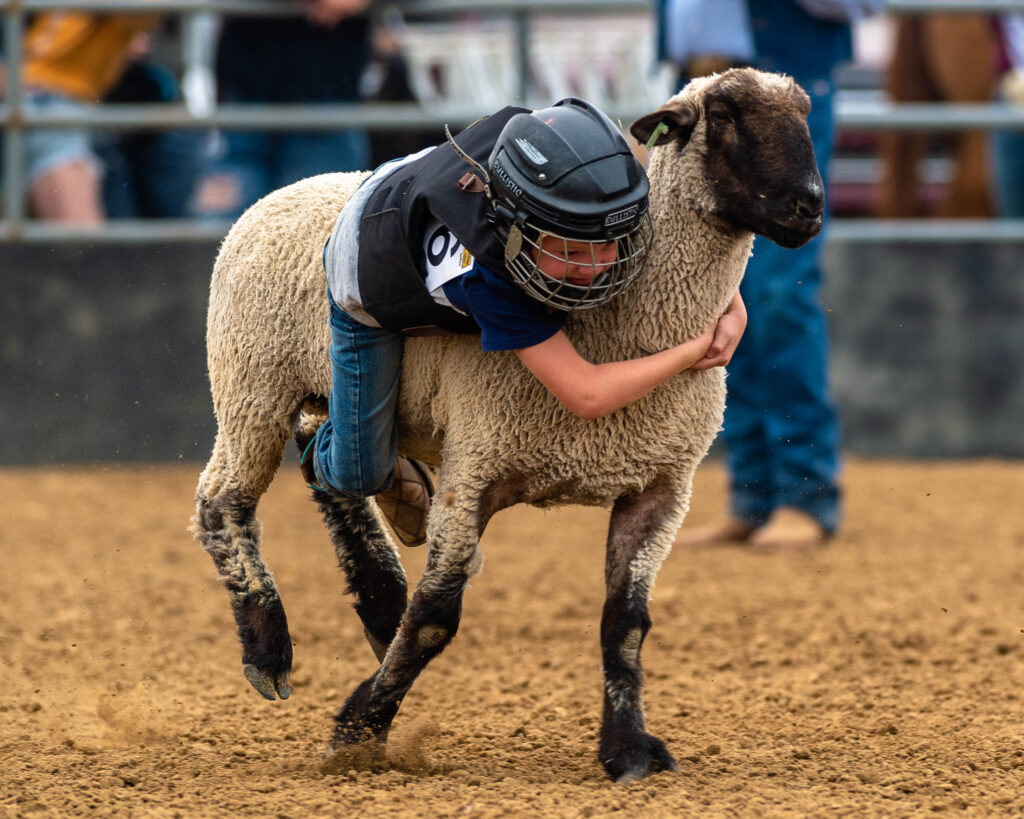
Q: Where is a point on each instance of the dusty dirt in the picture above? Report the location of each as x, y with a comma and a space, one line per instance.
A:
880, 675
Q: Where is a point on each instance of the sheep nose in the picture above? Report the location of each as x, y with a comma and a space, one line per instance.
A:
810, 204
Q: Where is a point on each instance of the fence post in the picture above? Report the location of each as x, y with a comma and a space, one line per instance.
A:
13, 155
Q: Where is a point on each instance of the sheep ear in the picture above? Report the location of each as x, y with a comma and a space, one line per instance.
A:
672, 122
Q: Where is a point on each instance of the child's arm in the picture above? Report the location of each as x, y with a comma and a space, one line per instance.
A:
593, 390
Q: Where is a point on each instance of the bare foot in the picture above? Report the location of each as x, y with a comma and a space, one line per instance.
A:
719, 533
788, 529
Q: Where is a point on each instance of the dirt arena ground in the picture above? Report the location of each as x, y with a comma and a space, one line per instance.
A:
880, 675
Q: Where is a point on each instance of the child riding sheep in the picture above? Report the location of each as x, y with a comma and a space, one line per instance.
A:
556, 222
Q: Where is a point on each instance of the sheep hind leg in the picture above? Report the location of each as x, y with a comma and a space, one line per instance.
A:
640, 537
225, 523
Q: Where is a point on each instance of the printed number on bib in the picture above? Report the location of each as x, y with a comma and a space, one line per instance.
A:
446, 258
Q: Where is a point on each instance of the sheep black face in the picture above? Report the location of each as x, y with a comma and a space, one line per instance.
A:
758, 159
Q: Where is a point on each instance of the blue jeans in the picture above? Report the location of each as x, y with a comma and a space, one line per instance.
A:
1008, 172
355, 450
261, 162
781, 428
151, 175
47, 149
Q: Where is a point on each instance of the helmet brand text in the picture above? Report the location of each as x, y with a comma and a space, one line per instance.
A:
502, 174
621, 216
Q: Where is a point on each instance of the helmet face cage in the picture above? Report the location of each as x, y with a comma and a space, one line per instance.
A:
599, 276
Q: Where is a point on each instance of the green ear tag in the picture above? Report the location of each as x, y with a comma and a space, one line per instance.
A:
661, 129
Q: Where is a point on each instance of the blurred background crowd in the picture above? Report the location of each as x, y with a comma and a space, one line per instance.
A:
350, 51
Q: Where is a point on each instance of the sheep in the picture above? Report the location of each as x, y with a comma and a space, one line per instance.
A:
731, 156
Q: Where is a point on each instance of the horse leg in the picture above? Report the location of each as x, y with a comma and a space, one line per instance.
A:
640, 537
236, 477
961, 50
969, 195
907, 80
364, 553
428, 626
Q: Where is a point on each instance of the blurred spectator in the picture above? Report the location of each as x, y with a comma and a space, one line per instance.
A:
939, 58
151, 173
781, 430
319, 59
387, 80
1008, 146
702, 38
3, 84
72, 59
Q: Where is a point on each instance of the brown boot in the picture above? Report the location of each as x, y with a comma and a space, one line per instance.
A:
406, 502
306, 466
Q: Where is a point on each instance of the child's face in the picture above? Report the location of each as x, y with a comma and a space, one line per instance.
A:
578, 263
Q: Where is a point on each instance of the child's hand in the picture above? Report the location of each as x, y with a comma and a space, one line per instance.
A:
727, 335
700, 347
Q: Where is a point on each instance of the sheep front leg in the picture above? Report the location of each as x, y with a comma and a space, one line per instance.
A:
639, 538
430, 622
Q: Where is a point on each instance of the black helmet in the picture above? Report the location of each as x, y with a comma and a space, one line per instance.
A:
564, 184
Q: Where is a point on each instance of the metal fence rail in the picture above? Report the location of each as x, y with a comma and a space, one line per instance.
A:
854, 110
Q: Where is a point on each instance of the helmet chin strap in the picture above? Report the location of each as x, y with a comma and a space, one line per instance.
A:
514, 242
513, 245
479, 171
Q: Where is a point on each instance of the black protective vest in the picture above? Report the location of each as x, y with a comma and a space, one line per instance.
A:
391, 264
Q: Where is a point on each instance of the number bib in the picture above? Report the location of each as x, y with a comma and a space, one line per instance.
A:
446, 258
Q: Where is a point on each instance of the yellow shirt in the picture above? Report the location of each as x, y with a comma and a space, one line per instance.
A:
80, 54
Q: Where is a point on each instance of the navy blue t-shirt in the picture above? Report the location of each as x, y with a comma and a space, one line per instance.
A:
508, 318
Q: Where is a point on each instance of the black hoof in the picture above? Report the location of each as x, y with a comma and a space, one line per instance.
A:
266, 647
361, 721
360, 735
643, 755
271, 685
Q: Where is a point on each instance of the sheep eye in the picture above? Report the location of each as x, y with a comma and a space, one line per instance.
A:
720, 117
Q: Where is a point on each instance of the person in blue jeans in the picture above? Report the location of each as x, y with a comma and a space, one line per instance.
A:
1008, 146
149, 174
781, 430
503, 231
315, 59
